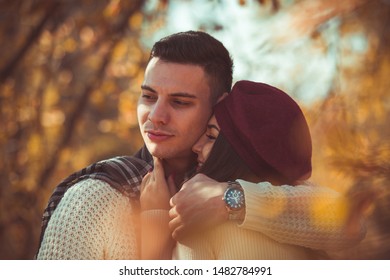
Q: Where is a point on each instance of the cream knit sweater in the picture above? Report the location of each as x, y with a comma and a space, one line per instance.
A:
304, 215
95, 221
229, 242
278, 217
92, 221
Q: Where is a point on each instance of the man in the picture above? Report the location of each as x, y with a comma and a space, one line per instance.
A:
94, 214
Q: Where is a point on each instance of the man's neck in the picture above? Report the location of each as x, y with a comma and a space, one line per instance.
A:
178, 168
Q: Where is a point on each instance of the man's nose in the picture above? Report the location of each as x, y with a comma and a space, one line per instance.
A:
159, 113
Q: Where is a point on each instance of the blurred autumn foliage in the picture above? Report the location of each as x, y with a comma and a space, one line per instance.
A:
70, 73
351, 131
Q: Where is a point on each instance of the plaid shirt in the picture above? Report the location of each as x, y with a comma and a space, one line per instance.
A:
123, 173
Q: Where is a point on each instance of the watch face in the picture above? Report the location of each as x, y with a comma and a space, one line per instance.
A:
234, 199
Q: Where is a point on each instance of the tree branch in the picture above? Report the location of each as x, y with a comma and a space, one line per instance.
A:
34, 35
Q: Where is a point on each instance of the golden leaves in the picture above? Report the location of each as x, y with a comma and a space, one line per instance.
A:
59, 96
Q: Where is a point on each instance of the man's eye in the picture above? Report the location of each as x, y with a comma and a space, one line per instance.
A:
181, 102
148, 97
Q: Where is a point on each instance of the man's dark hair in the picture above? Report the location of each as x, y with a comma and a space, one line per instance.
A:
201, 49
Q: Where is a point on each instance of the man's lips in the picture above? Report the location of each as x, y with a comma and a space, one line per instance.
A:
157, 136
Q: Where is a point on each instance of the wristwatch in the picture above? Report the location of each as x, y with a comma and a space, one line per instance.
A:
235, 201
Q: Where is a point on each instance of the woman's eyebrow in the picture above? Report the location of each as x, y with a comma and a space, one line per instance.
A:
210, 126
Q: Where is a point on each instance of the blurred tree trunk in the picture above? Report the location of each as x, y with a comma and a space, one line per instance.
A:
56, 56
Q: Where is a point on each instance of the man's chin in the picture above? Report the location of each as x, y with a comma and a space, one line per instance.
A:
169, 152
167, 155
157, 153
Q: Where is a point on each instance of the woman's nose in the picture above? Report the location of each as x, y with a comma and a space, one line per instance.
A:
198, 146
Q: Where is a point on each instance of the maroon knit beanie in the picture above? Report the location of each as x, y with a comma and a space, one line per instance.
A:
267, 129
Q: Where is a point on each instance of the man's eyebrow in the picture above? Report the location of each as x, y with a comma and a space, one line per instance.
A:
210, 126
183, 94
175, 94
145, 87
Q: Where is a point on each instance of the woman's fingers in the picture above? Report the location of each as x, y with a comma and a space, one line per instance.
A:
158, 170
175, 224
145, 180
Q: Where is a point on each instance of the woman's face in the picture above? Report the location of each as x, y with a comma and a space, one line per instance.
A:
206, 142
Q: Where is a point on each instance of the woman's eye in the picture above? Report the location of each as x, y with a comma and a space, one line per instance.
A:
211, 137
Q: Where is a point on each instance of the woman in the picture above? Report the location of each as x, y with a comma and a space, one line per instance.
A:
258, 133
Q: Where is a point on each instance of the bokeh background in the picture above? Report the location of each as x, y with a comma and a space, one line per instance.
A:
70, 73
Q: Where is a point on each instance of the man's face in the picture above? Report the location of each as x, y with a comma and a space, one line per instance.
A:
173, 109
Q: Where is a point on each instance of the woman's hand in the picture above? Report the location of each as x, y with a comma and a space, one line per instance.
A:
197, 206
156, 190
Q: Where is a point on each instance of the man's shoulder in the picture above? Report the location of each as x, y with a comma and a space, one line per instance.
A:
89, 188
96, 193
123, 165
124, 173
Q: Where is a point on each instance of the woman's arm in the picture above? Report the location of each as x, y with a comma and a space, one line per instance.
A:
309, 216
304, 215
156, 241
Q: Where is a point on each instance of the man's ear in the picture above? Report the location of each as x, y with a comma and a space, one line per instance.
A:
222, 97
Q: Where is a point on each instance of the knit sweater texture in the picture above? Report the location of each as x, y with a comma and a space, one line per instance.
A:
306, 215
281, 223
95, 221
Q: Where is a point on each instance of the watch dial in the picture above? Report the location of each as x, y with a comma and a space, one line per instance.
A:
235, 199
